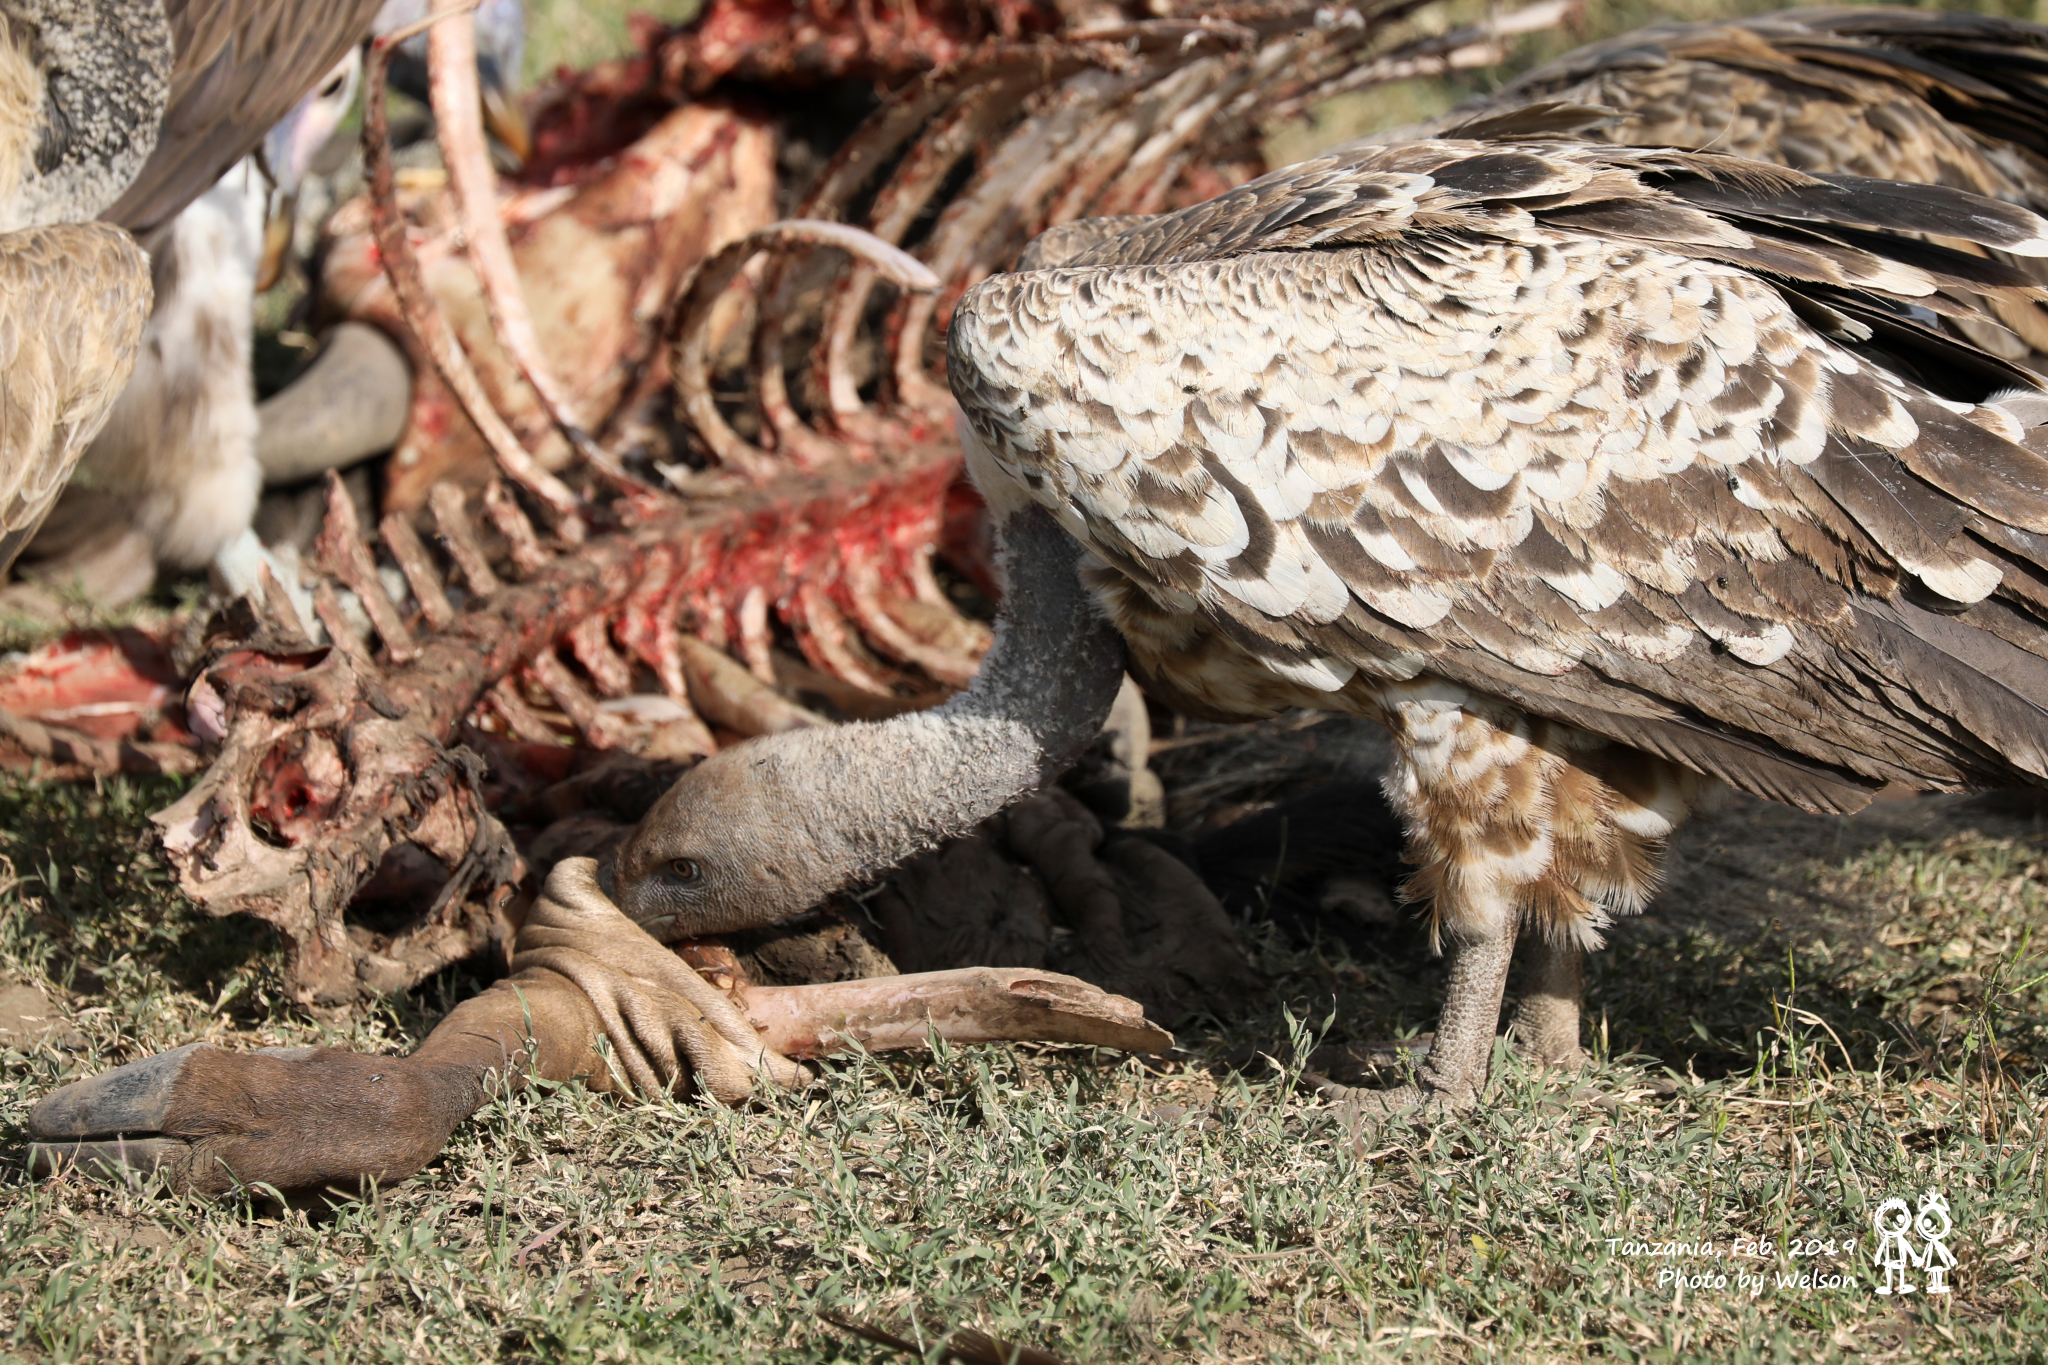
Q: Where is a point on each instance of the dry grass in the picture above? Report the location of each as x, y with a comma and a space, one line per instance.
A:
1823, 1014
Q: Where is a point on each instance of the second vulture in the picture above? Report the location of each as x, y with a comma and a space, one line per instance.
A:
1596, 474
128, 110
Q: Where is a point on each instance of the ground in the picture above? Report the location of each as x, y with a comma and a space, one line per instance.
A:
1817, 1015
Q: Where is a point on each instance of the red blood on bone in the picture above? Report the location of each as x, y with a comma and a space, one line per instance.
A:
298, 787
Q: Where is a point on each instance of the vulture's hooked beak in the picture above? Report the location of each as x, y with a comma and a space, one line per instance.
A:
277, 239
288, 153
506, 121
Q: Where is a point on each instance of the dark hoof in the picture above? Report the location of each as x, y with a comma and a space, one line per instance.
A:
121, 1158
112, 1124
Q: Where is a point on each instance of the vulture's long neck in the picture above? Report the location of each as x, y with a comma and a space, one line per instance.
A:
886, 791
91, 79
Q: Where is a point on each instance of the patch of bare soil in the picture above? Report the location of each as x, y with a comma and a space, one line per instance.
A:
27, 1018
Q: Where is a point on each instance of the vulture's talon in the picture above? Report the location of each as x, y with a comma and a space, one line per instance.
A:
1420, 1105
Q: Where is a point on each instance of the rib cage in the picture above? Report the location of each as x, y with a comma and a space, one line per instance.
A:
329, 759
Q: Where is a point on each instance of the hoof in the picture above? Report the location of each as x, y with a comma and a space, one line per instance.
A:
121, 1158
111, 1125
295, 1120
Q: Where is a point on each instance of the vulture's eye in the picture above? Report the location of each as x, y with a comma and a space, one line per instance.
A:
686, 870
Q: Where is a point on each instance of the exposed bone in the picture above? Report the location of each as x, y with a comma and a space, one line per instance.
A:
602, 730
527, 554
1471, 45
794, 437
591, 643
729, 695
342, 550
973, 1005
276, 614
864, 587
961, 241
451, 518
898, 205
647, 627
350, 404
327, 609
458, 127
692, 366
389, 725
420, 574
430, 325
520, 718
822, 633
756, 644
398, 785
837, 518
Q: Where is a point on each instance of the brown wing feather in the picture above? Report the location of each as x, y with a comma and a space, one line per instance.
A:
241, 66
77, 296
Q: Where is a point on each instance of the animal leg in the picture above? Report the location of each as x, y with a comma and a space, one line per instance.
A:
1458, 1059
1547, 1020
305, 1121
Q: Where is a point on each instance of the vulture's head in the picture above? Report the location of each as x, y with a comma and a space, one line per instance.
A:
746, 838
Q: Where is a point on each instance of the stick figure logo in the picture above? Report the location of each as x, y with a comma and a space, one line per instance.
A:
1894, 1223
1934, 1225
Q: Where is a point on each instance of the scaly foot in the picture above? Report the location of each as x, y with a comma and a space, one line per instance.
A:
1547, 1020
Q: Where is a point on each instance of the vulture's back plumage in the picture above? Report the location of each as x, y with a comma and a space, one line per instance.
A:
1623, 439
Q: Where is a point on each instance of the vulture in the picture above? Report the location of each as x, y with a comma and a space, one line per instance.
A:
174, 478
1599, 475
240, 67
124, 110
82, 84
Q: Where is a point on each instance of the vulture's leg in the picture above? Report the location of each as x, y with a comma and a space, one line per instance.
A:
1547, 1020
1463, 1049
1514, 823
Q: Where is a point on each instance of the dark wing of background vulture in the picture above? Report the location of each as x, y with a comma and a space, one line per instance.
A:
240, 67
1938, 99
